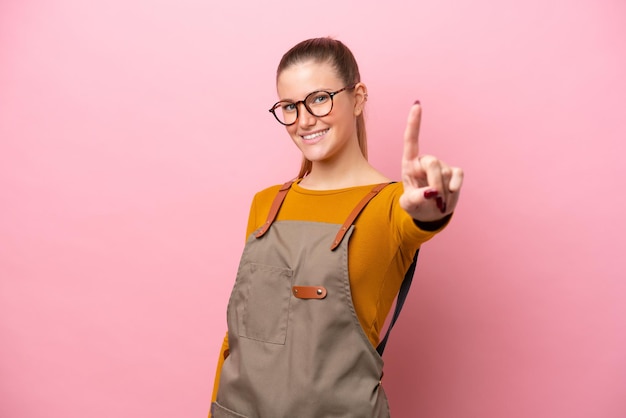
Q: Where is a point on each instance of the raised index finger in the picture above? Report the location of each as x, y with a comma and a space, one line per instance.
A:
412, 131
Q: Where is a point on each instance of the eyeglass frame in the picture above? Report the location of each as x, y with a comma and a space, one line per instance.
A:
332, 95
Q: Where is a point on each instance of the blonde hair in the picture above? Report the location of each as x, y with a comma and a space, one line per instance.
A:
341, 58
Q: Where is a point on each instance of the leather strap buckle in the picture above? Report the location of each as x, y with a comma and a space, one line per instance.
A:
309, 292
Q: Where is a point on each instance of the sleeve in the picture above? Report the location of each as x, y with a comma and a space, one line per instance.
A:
260, 208
411, 233
408, 228
220, 361
252, 221
433, 226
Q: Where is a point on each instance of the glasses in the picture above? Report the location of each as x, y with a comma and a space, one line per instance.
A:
319, 103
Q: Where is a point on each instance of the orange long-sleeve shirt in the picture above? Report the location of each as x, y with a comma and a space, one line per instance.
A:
380, 251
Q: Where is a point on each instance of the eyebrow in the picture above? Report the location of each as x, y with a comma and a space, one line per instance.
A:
328, 90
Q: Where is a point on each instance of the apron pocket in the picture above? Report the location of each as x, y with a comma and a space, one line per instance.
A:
218, 411
266, 298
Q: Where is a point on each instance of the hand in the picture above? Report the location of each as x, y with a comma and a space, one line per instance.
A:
431, 187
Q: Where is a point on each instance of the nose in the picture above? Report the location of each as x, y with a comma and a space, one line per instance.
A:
305, 118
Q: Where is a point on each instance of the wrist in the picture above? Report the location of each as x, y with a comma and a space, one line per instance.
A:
431, 226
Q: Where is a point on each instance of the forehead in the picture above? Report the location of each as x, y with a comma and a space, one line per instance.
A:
298, 80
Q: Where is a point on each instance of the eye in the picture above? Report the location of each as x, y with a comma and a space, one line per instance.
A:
288, 107
319, 98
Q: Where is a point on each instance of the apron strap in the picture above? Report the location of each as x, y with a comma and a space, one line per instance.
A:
355, 212
276, 204
402, 294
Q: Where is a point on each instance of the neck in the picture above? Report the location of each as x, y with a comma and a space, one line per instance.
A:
328, 175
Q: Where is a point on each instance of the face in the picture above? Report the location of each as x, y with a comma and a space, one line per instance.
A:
332, 138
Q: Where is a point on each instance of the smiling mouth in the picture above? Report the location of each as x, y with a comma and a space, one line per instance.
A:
314, 135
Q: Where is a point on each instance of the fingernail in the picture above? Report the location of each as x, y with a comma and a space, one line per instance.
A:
416, 102
440, 203
429, 194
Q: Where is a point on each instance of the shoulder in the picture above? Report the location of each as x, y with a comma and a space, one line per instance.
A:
390, 195
265, 197
395, 188
267, 192
260, 207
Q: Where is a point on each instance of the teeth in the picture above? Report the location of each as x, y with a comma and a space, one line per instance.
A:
315, 135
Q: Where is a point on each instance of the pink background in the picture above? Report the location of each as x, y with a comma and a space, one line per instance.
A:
133, 135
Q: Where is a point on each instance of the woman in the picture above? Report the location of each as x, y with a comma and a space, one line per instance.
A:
326, 253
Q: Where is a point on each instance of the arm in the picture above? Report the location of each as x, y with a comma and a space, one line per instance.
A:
220, 361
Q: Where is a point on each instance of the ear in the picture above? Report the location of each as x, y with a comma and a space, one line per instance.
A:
360, 96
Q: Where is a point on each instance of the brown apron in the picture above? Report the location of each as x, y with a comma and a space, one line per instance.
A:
297, 348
